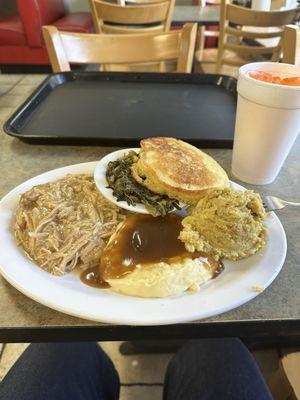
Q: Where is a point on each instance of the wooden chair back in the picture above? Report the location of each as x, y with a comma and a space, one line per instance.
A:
154, 16
242, 23
291, 45
138, 2
65, 48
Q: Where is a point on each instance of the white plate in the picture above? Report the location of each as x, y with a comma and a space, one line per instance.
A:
69, 295
101, 182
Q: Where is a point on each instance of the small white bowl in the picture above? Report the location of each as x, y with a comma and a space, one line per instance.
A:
101, 182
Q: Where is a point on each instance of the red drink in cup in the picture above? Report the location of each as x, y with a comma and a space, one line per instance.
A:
271, 78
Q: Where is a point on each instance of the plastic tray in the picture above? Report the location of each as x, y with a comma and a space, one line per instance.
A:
122, 108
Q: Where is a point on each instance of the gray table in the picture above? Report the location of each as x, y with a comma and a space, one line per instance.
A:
274, 313
209, 15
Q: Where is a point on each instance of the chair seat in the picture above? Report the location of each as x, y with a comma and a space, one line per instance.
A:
210, 56
210, 68
75, 22
207, 62
11, 31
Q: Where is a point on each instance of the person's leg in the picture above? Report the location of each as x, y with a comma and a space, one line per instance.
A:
214, 369
61, 371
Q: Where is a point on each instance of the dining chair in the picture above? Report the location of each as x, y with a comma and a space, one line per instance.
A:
207, 36
141, 17
65, 48
241, 29
138, 2
291, 45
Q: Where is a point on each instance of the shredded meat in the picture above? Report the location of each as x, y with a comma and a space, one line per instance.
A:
65, 224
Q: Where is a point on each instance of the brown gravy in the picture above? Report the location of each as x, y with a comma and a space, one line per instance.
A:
142, 239
92, 277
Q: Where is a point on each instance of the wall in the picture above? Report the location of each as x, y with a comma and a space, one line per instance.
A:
77, 5
7, 7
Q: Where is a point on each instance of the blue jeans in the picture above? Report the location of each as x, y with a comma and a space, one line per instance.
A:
206, 369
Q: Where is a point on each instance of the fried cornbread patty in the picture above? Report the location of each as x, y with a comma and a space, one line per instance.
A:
227, 223
177, 169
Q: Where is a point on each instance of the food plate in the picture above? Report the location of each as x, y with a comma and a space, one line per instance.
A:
235, 286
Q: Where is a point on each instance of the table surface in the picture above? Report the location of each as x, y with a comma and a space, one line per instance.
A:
208, 15
274, 312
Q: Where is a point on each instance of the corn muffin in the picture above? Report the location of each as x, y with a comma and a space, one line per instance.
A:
171, 167
227, 223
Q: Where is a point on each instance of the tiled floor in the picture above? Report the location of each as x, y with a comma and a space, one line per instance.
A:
135, 370
14, 89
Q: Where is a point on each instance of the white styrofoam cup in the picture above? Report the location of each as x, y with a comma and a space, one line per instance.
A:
267, 123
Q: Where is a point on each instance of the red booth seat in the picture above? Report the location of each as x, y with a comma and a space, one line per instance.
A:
21, 40
12, 32
75, 22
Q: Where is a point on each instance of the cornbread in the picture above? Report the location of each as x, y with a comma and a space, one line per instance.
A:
227, 223
177, 169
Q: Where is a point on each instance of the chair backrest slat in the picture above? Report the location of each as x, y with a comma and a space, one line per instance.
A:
121, 48
139, 2
243, 23
158, 12
248, 17
243, 50
65, 48
291, 45
254, 35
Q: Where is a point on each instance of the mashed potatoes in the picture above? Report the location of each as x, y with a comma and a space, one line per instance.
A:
162, 279
145, 258
226, 222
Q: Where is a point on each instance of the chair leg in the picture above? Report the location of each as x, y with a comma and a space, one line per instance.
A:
219, 56
219, 63
200, 42
277, 53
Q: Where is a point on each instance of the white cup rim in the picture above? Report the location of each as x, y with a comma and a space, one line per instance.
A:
247, 67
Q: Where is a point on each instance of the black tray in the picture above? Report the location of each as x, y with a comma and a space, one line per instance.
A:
112, 108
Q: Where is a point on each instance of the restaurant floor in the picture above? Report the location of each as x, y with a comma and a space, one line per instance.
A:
141, 375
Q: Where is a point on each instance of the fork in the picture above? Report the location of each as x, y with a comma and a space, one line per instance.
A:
272, 203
